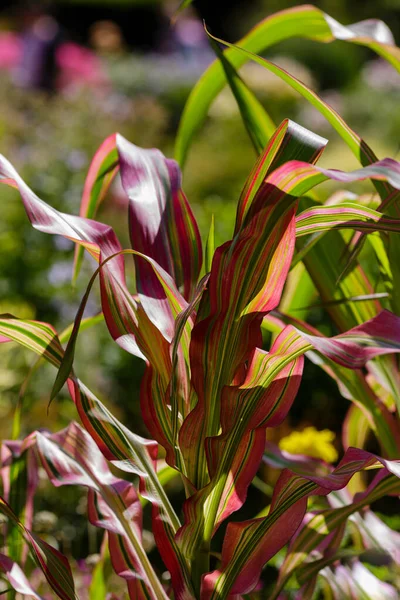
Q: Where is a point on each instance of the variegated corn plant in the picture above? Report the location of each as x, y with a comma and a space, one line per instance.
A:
210, 390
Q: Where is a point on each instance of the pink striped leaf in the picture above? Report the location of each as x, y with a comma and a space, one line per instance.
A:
123, 317
356, 582
353, 386
16, 577
143, 327
102, 171
126, 450
54, 565
320, 530
71, 457
289, 141
255, 263
250, 544
246, 281
318, 220
161, 222
263, 400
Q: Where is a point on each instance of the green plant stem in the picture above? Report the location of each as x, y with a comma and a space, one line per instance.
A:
200, 565
153, 580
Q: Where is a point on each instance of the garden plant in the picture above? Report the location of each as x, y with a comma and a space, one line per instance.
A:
224, 355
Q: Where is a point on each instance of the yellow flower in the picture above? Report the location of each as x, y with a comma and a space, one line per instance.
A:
311, 442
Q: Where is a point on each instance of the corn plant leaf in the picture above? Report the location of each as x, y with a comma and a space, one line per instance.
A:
54, 565
357, 145
303, 21
249, 545
318, 530
101, 174
290, 141
346, 215
121, 312
136, 455
261, 400
356, 581
353, 385
127, 451
173, 301
71, 457
126, 317
258, 123
16, 577
161, 223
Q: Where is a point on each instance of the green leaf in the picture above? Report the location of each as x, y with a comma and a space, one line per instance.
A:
210, 247
258, 123
302, 21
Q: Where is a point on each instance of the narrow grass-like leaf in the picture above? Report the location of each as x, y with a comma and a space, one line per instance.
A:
303, 21
258, 123
357, 145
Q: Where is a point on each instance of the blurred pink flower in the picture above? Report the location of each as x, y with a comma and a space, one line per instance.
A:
10, 50
78, 65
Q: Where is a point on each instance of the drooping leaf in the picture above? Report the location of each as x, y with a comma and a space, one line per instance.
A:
249, 545
320, 529
144, 327
54, 565
16, 577
302, 21
161, 223
353, 386
126, 450
346, 215
71, 457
